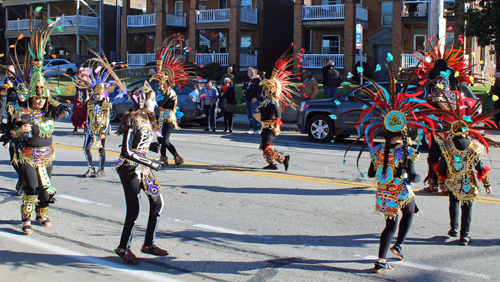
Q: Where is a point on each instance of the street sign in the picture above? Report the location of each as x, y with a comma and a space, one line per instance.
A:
359, 36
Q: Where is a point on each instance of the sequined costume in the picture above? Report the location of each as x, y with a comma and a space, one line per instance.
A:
96, 126
36, 153
278, 93
171, 70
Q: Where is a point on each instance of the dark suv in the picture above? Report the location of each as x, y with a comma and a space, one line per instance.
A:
321, 119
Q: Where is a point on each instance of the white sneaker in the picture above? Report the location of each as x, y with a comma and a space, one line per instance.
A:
256, 132
250, 132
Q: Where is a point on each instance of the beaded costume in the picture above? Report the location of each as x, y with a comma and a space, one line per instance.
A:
278, 91
36, 153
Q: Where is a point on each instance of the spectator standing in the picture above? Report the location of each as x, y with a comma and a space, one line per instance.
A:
331, 79
252, 91
310, 88
229, 75
209, 98
228, 96
10, 95
82, 96
495, 90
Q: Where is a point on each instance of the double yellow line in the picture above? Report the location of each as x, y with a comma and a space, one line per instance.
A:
343, 183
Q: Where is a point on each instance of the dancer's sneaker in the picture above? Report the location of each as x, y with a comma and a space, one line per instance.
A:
127, 255
271, 166
398, 251
382, 267
89, 172
99, 173
464, 241
431, 189
286, 162
453, 233
153, 250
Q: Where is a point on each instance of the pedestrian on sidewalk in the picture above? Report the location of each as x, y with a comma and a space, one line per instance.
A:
252, 91
331, 79
229, 75
228, 96
310, 88
209, 96
495, 90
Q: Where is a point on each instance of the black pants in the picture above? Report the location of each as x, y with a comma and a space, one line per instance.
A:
210, 116
455, 206
12, 152
433, 158
496, 105
87, 144
228, 120
266, 137
391, 226
32, 185
132, 187
164, 141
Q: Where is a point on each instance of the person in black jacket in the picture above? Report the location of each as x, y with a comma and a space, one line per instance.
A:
252, 91
228, 98
495, 90
331, 79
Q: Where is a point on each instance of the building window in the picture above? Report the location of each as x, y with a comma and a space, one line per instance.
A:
330, 44
419, 42
246, 3
450, 37
178, 8
330, 2
386, 13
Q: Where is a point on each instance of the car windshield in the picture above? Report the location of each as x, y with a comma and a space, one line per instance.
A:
46, 62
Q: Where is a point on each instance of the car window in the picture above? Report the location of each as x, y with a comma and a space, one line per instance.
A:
184, 90
468, 92
46, 62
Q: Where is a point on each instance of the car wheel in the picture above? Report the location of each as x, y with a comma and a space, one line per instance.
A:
320, 129
70, 72
113, 115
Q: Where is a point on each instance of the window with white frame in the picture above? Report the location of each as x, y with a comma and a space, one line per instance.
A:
450, 37
246, 3
330, 2
419, 41
330, 44
178, 8
386, 13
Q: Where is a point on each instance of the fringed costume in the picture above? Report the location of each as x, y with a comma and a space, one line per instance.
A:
278, 92
463, 148
171, 70
98, 115
134, 167
35, 155
391, 114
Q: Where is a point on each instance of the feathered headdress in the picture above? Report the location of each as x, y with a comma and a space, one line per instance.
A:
170, 66
279, 84
107, 69
94, 77
387, 110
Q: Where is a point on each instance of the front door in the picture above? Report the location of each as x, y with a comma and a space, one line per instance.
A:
382, 51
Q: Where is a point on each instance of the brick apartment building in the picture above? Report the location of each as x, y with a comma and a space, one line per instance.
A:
326, 29
239, 33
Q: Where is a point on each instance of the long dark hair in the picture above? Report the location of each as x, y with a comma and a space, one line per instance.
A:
388, 136
133, 112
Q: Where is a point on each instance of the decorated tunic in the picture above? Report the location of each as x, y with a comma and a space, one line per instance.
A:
135, 146
98, 113
394, 189
460, 164
168, 109
269, 114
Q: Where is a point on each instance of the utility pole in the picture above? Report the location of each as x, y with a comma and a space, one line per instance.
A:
437, 24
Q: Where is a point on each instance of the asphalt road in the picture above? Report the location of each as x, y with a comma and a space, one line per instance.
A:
225, 219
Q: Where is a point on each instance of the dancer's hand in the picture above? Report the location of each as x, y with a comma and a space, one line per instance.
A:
102, 136
25, 128
155, 164
488, 189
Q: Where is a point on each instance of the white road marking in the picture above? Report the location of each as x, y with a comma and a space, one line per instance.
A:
147, 275
76, 199
220, 229
432, 268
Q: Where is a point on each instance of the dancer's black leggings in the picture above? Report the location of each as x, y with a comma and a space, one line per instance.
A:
12, 152
228, 120
165, 140
391, 226
87, 144
132, 187
32, 185
455, 207
267, 137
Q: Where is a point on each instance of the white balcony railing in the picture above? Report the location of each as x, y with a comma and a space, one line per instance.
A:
319, 60
210, 16
415, 8
323, 12
141, 20
249, 15
248, 60
409, 60
20, 24
140, 59
84, 21
150, 20
221, 58
361, 13
176, 20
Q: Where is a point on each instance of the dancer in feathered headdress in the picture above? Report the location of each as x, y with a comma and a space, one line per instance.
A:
33, 125
94, 79
392, 114
463, 147
278, 91
171, 70
134, 167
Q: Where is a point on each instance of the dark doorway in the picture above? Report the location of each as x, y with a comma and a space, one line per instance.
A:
380, 58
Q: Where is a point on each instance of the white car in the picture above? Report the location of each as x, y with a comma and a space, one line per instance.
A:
59, 67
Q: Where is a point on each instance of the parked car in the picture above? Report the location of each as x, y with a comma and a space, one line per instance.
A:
59, 67
315, 116
188, 100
